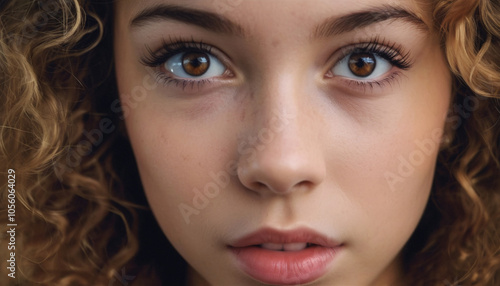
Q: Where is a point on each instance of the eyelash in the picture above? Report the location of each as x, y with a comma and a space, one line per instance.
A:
390, 52
169, 49
393, 53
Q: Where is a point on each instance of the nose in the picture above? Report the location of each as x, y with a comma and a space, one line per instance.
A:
281, 153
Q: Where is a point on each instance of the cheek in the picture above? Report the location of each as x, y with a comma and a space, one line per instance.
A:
390, 169
177, 160
170, 161
386, 192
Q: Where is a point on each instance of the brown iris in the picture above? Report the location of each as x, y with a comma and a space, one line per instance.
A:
195, 64
362, 64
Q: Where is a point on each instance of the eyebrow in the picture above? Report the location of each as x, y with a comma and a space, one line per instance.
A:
220, 24
339, 25
206, 20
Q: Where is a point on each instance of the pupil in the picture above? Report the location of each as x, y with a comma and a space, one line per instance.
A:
362, 64
195, 64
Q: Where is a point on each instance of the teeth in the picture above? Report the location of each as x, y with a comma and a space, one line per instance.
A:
284, 247
294, 246
272, 246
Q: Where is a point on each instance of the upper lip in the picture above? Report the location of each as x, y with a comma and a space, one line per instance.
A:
270, 235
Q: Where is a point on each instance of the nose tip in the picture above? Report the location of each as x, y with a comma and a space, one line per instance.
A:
280, 175
288, 161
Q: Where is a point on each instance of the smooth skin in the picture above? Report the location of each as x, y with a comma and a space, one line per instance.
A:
304, 144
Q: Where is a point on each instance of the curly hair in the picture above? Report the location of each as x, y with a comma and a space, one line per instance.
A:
458, 239
78, 199
74, 224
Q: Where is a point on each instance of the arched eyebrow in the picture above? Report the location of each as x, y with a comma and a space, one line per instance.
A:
220, 24
347, 23
207, 20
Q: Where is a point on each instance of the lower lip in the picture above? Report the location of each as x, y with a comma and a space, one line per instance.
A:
285, 267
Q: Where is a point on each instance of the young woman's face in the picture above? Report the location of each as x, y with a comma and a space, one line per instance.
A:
283, 142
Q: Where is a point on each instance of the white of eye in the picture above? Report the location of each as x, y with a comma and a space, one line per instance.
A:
174, 65
382, 66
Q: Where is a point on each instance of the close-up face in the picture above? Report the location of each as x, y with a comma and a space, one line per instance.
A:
283, 142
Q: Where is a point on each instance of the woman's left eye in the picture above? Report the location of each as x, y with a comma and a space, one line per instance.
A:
194, 65
362, 65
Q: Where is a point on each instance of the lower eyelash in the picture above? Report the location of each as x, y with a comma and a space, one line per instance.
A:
390, 52
393, 53
183, 83
363, 85
169, 49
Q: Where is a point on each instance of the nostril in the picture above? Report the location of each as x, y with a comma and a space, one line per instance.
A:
305, 185
260, 185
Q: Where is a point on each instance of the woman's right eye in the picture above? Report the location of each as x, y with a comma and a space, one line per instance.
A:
194, 65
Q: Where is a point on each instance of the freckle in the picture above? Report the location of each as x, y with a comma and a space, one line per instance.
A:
163, 139
275, 43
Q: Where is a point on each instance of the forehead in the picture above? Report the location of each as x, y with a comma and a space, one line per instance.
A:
258, 16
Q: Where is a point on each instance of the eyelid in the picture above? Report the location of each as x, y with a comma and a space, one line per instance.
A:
157, 59
382, 67
399, 58
375, 45
379, 47
174, 46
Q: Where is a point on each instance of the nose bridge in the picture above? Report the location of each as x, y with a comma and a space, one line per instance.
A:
277, 101
281, 96
279, 114
285, 154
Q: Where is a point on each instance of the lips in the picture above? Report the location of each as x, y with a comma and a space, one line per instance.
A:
285, 257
